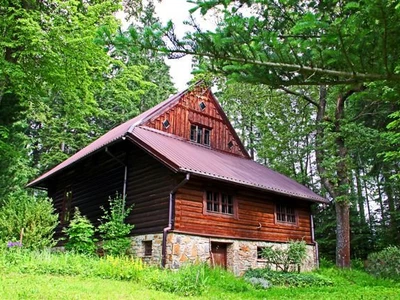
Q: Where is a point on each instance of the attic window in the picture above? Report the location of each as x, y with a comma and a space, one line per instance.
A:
202, 105
230, 145
166, 124
200, 134
285, 214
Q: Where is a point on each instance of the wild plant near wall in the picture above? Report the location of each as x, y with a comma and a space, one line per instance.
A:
80, 234
288, 259
113, 229
33, 216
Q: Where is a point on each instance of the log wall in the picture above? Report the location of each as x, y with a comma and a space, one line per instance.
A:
253, 209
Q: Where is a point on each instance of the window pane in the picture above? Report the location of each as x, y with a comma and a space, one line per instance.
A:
206, 137
193, 132
199, 134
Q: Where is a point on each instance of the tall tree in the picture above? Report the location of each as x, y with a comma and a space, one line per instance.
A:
285, 43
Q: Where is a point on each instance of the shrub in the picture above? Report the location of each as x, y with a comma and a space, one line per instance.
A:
286, 259
288, 279
113, 229
34, 216
80, 234
385, 264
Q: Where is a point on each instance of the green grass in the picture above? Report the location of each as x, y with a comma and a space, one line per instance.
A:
42, 275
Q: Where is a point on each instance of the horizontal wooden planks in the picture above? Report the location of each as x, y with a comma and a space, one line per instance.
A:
253, 210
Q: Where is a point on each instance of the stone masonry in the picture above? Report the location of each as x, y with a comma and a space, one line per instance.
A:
183, 249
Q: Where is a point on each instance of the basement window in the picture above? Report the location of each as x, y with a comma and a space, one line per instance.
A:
200, 134
285, 214
219, 203
166, 124
148, 248
259, 253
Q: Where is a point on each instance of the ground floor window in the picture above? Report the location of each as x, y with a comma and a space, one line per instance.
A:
285, 214
219, 202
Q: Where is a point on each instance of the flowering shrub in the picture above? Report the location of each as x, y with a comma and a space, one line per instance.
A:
14, 244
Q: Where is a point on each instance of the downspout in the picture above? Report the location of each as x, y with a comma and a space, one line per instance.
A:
313, 241
125, 171
169, 227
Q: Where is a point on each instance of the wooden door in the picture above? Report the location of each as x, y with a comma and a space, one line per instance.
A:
218, 252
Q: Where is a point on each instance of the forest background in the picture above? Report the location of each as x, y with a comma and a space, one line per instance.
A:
312, 89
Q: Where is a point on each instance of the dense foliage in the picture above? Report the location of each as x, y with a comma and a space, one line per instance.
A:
385, 263
27, 219
285, 259
80, 234
114, 231
274, 278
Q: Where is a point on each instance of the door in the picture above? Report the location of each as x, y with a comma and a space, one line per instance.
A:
218, 254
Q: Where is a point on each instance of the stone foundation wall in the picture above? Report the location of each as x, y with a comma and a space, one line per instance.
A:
241, 254
183, 248
138, 247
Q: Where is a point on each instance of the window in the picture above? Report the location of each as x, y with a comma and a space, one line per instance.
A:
219, 202
166, 123
285, 214
66, 209
200, 134
259, 252
148, 248
230, 145
202, 105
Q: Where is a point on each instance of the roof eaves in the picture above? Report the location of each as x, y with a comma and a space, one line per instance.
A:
254, 185
65, 164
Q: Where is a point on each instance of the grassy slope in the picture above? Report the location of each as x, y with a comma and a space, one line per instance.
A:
348, 285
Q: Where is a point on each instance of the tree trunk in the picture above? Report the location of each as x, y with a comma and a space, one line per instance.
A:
342, 234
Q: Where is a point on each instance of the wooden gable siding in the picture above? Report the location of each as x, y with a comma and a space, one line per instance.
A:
187, 111
253, 209
149, 185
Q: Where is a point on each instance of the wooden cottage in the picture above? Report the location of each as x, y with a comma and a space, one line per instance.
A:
197, 195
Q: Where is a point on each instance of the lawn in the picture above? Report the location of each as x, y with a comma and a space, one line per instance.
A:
44, 275
347, 285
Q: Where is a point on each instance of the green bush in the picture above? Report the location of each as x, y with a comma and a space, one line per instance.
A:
113, 229
80, 234
288, 279
286, 259
188, 281
35, 216
385, 264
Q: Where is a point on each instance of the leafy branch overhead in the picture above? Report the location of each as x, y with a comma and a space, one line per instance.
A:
291, 42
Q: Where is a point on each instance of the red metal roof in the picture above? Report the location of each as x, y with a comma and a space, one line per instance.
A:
184, 156
110, 137
189, 157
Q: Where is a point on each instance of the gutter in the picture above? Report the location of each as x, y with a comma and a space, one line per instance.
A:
169, 227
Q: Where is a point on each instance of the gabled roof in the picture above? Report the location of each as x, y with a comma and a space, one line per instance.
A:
188, 157
181, 155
